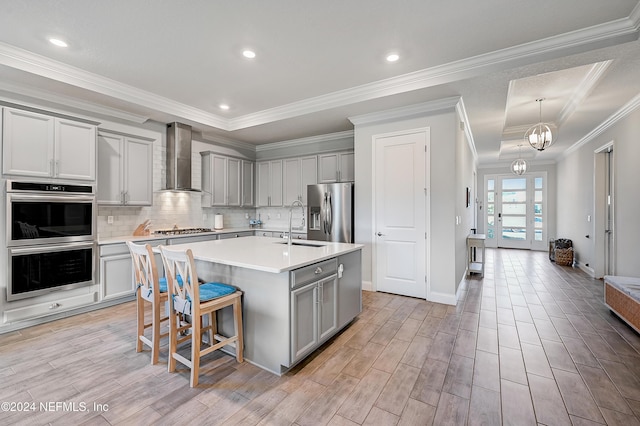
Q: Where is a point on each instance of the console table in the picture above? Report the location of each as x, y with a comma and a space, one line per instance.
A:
476, 250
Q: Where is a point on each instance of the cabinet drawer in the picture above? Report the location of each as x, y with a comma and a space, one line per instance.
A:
48, 308
236, 235
121, 248
314, 272
264, 234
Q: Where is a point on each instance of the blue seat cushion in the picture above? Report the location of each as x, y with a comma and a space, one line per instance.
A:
210, 291
162, 282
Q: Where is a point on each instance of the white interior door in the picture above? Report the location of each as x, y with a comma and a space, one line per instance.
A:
400, 212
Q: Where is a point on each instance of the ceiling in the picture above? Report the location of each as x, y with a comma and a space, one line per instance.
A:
318, 63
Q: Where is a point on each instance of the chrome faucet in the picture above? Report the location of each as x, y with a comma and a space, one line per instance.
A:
291, 217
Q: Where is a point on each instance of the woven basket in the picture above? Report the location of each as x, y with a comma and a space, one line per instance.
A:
564, 256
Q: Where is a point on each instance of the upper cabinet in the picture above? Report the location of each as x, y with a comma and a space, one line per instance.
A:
269, 184
226, 181
125, 170
298, 173
43, 146
336, 167
247, 183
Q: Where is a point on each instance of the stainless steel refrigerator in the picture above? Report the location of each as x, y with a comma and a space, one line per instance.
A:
330, 212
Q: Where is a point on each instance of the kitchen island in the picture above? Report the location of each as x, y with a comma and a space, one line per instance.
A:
295, 298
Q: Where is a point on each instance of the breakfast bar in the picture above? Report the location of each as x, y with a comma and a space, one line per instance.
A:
295, 296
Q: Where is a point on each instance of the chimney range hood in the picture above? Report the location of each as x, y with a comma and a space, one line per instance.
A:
178, 160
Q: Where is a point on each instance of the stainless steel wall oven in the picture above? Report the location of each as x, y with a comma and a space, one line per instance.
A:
50, 237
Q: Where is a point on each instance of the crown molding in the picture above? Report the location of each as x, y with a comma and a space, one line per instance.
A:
462, 115
508, 162
305, 141
11, 90
597, 35
24, 60
404, 112
614, 118
228, 142
584, 88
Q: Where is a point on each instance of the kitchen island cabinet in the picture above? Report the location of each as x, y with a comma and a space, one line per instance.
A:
294, 299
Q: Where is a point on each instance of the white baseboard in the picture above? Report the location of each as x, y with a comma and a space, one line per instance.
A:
446, 298
587, 269
367, 285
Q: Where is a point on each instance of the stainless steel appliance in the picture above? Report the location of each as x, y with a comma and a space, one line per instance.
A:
330, 212
51, 234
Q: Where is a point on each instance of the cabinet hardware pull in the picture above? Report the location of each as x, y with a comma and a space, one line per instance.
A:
318, 270
57, 168
54, 305
51, 171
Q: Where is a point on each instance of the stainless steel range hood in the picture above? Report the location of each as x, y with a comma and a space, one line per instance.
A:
178, 161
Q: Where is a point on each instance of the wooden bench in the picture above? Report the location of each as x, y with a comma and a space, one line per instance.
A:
622, 296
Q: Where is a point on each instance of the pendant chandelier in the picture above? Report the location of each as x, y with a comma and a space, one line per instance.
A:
539, 135
519, 166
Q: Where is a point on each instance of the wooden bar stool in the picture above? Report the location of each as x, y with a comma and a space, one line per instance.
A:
149, 290
197, 301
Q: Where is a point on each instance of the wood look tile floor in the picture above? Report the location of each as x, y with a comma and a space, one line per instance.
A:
531, 343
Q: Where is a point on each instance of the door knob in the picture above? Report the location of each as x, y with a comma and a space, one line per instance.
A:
380, 234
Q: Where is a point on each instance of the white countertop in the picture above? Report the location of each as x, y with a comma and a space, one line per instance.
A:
264, 253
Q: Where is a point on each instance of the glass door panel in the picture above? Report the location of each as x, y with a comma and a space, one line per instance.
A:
512, 215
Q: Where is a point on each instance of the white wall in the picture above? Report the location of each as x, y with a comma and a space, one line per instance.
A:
575, 186
447, 156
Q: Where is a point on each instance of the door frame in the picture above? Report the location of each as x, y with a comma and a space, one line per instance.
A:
427, 218
599, 224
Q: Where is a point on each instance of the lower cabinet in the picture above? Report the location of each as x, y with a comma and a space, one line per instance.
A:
116, 269
314, 315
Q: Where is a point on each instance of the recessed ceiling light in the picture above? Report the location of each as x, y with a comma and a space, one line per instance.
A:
224, 106
393, 57
249, 54
58, 42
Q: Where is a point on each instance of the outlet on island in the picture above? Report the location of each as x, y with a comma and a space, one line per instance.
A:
110, 220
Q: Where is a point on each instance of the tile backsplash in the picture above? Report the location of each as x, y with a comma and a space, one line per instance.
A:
183, 209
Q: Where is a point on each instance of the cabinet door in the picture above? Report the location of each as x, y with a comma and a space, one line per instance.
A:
233, 181
75, 150
346, 170
138, 172
247, 183
328, 301
116, 276
304, 320
309, 175
264, 176
219, 185
328, 168
110, 172
275, 183
27, 145
291, 181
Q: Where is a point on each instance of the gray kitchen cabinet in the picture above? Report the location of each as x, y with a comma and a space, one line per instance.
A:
298, 173
336, 167
43, 146
263, 233
247, 183
116, 269
269, 193
314, 307
191, 239
236, 235
125, 171
222, 180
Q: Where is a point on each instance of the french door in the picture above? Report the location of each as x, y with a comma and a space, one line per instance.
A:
515, 212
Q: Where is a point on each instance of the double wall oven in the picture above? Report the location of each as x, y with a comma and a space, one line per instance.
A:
51, 235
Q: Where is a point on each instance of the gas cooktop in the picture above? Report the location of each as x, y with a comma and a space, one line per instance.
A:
181, 231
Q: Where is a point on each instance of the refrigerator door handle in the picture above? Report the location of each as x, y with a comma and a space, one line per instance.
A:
323, 217
329, 214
